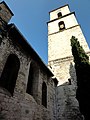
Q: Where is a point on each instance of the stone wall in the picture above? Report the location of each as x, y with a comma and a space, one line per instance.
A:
21, 105
59, 45
67, 106
64, 10
63, 69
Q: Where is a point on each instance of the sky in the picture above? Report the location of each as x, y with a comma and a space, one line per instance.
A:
31, 17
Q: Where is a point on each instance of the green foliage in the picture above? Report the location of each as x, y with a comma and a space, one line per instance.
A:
78, 52
82, 67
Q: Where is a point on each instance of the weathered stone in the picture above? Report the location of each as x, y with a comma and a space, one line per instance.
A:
60, 61
22, 98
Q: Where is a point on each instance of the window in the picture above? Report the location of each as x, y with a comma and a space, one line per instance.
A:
30, 81
33, 80
44, 94
59, 14
61, 25
10, 73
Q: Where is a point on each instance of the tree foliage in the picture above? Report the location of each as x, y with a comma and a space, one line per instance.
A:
82, 67
78, 52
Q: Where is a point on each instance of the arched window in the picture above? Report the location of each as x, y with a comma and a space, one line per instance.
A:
44, 94
61, 25
59, 14
30, 81
10, 73
33, 80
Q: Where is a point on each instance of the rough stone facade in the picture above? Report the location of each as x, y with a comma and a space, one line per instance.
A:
28, 88
18, 62
61, 27
22, 106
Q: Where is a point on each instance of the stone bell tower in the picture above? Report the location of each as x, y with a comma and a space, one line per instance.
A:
61, 27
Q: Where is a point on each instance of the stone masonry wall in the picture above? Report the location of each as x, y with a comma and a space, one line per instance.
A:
63, 69
23, 106
59, 45
66, 104
64, 10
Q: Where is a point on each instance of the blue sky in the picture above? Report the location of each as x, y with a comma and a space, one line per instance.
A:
31, 17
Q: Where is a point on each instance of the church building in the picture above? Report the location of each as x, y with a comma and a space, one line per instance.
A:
29, 89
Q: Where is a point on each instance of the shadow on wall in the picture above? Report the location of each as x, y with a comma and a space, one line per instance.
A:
82, 84
83, 90
67, 96
67, 105
2, 116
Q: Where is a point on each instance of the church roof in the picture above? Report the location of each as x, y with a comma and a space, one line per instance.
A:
15, 34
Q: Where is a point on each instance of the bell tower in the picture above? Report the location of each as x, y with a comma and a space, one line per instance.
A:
61, 27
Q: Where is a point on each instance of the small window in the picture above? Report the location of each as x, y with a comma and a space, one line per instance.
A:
30, 81
44, 94
59, 14
61, 25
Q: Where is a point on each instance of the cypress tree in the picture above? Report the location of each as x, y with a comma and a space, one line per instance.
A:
78, 52
82, 67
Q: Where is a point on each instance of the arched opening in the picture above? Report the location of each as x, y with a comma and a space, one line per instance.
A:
30, 81
44, 94
61, 25
10, 73
59, 14
33, 80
